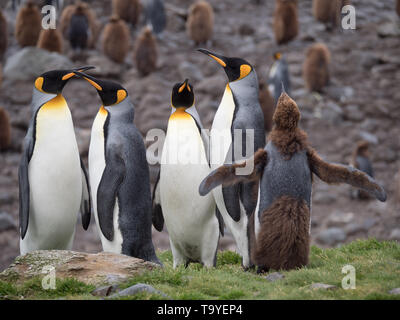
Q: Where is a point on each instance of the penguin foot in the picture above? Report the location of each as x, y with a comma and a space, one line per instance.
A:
262, 269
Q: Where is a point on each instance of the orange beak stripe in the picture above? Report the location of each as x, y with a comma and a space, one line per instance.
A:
94, 84
68, 76
218, 60
182, 87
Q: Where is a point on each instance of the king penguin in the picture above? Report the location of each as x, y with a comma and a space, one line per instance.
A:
238, 112
119, 175
53, 184
190, 219
278, 76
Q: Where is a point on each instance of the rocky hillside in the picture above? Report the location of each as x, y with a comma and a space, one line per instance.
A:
361, 102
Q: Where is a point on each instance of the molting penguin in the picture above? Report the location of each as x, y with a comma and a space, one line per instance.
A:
286, 23
278, 76
316, 67
53, 184
3, 34
5, 130
190, 219
28, 25
50, 40
238, 112
116, 39
284, 169
155, 15
119, 175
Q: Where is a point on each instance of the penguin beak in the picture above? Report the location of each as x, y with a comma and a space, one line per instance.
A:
73, 72
220, 59
184, 85
91, 80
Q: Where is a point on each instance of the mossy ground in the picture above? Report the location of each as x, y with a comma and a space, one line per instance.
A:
377, 266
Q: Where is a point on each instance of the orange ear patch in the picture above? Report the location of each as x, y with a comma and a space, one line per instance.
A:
121, 95
39, 84
245, 69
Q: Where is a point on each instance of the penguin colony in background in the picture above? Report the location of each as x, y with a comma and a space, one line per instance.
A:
116, 39
316, 67
5, 130
28, 25
286, 24
127, 10
50, 40
200, 22
145, 52
3, 35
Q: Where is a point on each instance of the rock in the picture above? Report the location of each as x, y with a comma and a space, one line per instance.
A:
30, 62
105, 291
395, 291
324, 197
246, 30
371, 138
355, 227
213, 86
6, 222
322, 286
331, 236
388, 29
354, 113
339, 219
85, 267
272, 277
188, 70
104, 67
332, 112
395, 234
137, 288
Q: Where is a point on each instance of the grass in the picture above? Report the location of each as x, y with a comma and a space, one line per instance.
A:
377, 267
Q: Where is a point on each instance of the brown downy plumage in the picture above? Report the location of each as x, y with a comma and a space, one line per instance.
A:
267, 105
286, 23
328, 11
50, 40
316, 67
145, 52
127, 10
200, 22
5, 130
81, 7
28, 25
116, 39
3, 35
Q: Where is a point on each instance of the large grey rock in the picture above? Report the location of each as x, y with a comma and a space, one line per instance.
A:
6, 222
137, 288
323, 286
331, 236
30, 62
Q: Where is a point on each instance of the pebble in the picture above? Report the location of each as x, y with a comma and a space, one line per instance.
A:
137, 288
395, 234
272, 277
323, 286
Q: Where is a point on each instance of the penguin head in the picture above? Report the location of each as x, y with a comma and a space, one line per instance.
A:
287, 114
182, 95
235, 68
53, 82
111, 93
362, 149
277, 56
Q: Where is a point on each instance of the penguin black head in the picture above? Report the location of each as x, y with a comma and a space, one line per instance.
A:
287, 113
111, 93
54, 81
182, 95
235, 68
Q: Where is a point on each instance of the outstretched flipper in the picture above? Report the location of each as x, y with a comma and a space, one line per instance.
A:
23, 177
336, 173
157, 217
107, 192
86, 202
226, 174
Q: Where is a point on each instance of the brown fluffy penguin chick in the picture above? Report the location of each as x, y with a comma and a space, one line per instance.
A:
5, 129
328, 11
145, 52
286, 23
200, 22
360, 160
316, 67
50, 40
3, 34
267, 105
127, 10
28, 25
116, 39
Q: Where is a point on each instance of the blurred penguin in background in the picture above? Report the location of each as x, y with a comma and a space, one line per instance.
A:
286, 23
267, 104
145, 52
278, 77
78, 31
361, 161
28, 25
328, 11
316, 67
127, 10
5, 130
398, 7
50, 40
200, 22
116, 39
155, 15
3, 35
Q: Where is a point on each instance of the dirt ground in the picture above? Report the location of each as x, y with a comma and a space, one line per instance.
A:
362, 101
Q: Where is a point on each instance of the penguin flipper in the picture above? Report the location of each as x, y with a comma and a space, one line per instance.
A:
86, 202
336, 173
157, 217
23, 178
107, 192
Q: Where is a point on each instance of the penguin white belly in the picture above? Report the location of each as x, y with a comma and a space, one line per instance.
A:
55, 180
189, 218
97, 164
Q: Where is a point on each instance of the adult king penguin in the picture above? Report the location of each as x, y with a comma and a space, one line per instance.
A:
190, 219
53, 185
238, 111
119, 175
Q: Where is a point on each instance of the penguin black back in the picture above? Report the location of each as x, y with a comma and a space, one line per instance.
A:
279, 76
78, 31
155, 14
